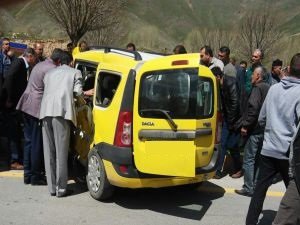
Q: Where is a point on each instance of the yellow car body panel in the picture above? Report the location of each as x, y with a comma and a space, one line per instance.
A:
177, 159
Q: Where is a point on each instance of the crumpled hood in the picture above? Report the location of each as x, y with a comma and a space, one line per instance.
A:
288, 82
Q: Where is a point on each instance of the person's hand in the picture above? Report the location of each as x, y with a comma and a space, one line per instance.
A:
244, 131
89, 92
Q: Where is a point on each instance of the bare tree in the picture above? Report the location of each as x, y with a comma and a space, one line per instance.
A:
258, 29
110, 35
80, 16
212, 37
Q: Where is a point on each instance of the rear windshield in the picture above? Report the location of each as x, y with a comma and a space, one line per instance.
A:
182, 93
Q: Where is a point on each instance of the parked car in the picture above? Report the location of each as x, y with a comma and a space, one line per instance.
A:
155, 120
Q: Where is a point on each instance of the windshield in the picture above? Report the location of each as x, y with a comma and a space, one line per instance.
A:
181, 93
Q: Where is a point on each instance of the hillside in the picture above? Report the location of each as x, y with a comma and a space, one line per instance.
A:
157, 24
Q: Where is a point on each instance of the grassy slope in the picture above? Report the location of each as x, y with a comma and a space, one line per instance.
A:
171, 19
32, 18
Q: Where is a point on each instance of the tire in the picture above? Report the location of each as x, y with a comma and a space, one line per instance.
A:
97, 182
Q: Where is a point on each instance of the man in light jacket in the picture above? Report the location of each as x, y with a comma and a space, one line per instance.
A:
58, 115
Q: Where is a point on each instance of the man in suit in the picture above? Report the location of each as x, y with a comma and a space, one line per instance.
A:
58, 115
30, 104
15, 83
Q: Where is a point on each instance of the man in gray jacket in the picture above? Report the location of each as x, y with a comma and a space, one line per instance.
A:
289, 208
279, 116
58, 115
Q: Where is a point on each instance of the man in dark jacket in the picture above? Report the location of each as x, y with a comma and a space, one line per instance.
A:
230, 109
15, 84
5, 62
250, 128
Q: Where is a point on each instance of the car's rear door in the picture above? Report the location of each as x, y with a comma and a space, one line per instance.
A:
173, 123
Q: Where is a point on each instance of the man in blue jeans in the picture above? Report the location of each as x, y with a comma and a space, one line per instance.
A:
250, 128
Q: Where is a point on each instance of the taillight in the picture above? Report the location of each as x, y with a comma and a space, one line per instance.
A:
218, 127
123, 135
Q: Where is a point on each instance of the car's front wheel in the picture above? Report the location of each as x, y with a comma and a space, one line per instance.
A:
97, 182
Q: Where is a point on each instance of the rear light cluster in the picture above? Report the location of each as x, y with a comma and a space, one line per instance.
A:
123, 136
218, 127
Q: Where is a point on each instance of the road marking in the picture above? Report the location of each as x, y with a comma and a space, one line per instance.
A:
19, 174
12, 173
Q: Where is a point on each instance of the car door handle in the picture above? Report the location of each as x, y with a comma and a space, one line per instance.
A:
203, 132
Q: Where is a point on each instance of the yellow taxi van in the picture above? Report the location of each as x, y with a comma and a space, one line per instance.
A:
155, 120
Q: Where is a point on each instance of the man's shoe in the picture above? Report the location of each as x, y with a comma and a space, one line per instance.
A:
65, 194
39, 182
26, 180
53, 194
237, 174
218, 175
243, 192
16, 166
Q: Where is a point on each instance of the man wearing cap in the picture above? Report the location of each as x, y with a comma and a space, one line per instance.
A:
276, 74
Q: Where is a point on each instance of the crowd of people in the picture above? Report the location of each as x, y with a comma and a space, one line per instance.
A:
37, 105
260, 111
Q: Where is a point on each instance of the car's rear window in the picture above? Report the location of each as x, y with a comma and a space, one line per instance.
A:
181, 92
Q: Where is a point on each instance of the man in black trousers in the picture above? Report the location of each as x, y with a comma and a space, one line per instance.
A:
279, 116
15, 83
289, 208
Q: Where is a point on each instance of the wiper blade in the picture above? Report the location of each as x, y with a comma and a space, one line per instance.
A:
166, 113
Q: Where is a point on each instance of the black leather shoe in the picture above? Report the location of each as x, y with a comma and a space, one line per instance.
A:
26, 180
65, 194
244, 192
39, 182
53, 194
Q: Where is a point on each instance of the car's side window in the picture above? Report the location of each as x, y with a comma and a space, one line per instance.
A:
107, 85
205, 95
88, 71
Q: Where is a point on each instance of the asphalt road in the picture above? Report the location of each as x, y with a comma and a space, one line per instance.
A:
213, 203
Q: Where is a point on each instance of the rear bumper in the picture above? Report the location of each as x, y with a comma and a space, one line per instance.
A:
213, 164
118, 156
151, 182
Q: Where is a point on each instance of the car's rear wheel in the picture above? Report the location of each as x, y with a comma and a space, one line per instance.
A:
97, 182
